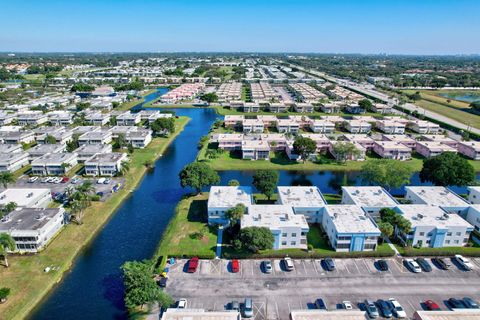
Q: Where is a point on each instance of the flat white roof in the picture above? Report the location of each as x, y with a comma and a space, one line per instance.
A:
226, 196
350, 218
22, 197
438, 196
465, 314
272, 216
370, 196
198, 314
429, 215
328, 315
302, 197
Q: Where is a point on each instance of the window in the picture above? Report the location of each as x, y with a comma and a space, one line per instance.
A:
429, 234
370, 246
284, 235
449, 234
343, 246
344, 237
458, 233
304, 234
284, 243
303, 241
447, 241
456, 241
421, 234
293, 243
465, 240
294, 235
428, 241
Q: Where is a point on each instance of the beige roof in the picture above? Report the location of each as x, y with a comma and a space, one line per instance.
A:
328, 315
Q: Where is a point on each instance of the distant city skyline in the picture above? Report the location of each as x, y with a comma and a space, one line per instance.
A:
425, 27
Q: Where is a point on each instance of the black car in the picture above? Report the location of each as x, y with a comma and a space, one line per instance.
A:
320, 304
456, 304
442, 263
162, 282
470, 303
382, 265
426, 267
385, 308
329, 264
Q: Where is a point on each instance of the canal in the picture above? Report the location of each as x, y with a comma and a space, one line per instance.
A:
93, 288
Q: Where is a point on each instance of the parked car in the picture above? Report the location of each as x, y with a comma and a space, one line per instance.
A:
470, 303
192, 265
456, 304
320, 304
235, 266
413, 266
248, 308
382, 265
347, 305
432, 305
45, 180
423, 263
32, 179
442, 263
65, 179
464, 262
267, 266
182, 304
163, 282
76, 180
384, 308
100, 194
235, 305
397, 308
329, 264
57, 180
101, 181
107, 181
372, 311
288, 263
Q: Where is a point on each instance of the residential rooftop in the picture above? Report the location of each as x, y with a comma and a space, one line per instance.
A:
366, 196
272, 216
226, 196
430, 215
301, 197
28, 218
439, 196
349, 218
21, 196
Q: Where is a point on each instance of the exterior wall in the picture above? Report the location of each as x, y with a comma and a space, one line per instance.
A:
468, 151
430, 236
291, 237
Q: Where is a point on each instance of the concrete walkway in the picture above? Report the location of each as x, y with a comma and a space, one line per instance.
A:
219, 242
392, 247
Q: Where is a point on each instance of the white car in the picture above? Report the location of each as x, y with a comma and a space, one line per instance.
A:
347, 305
57, 180
397, 309
101, 181
464, 262
182, 304
32, 179
413, 265
288, 264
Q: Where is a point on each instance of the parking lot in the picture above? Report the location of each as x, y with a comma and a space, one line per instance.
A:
106, 189
213, 286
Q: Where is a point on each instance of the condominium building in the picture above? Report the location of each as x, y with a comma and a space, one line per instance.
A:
105, 164
54, 164
307, 201
371, 199
222, 198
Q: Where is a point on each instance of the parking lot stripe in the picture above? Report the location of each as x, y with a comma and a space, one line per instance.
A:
356, 266
315, 265
304, 268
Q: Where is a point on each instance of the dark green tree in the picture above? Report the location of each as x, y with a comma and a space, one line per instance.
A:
6, 244
266, 181
447, 169
209, 97
233, 183
235, 214
365, 104
304, 147
389, 174
254, 239
198, 175
161, 124
49, 139
6, 178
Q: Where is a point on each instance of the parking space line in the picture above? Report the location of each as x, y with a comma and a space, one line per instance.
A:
314, 265
304, 267
356, 266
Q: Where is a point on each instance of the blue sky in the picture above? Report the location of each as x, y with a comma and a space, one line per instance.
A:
335, 26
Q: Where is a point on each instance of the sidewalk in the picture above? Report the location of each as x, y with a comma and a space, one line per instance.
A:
219, 242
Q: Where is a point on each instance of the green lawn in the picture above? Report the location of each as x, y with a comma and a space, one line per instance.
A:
25, 277
456, 110
179, 238
473, 251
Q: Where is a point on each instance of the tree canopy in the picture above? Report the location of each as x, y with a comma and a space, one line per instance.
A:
447, 169
209, 97
198, 175
304, 147
365, 104
82, 87
254, 239
266, 181
6, 244
386, 173
236, 213
161, 124
475, 105
344, 151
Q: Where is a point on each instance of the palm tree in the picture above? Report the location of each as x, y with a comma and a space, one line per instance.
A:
86, 187
77, 209
6, 244
6, 178
9, 207
124, 168
65, 166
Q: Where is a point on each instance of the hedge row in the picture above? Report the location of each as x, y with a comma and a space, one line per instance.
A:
440, 252
309, 255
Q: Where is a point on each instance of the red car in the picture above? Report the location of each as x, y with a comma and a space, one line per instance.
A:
192, 265
65, 179
235, 266
432, 305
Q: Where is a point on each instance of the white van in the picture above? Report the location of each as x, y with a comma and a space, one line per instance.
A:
101, 181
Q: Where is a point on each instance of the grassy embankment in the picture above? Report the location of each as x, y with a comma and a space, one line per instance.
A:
130, 104
454, 109
473, 251
26, 278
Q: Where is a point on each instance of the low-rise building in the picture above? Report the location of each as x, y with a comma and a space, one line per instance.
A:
360, 155
437, 196
371, 199
10, 162
423, 127
400, 138
469, 149
61, 136
26, 197
268, 120
307, 201
222, 198
6, 118
87, 151
332, 107
277, 107
42, 149
362, 139
31, 118
392, 150
287, 125
303, 107
354, 108
97, 118
322, 141
434, 227
252, 126
381, 108
60, 118
17, 137
128, 119
32, 228
105, 164
289, 230
441, 139
255, 149
95, 137
139, 138
349, 229
233, 121
322, 126
474, 194
431, 148
10, 148
54, 164
357, 126
390, 127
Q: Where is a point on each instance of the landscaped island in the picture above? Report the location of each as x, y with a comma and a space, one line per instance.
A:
26, 277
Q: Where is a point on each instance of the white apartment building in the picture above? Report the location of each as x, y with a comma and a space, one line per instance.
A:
358, 126
31, 118
87, 151
390, 127
307, 201
26, 197
98, 118
95, 137
371, 199
54, 164
10, 162
105, 164
437, 196
128, 119
139, 138
222, 198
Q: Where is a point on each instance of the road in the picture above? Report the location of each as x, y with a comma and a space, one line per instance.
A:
368, 90
275, 295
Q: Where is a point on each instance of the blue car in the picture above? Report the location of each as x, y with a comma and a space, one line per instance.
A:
385, 308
